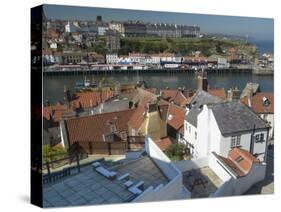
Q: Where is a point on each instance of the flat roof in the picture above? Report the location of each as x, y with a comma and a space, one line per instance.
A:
85, 188
144, 169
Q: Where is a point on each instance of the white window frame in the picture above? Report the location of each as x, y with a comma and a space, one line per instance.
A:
235, 141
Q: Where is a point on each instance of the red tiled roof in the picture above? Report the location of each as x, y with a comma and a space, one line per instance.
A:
91, 98
92, 128
151, 90
240, 161
137, 117
257, 102
163, 143
218, 92
176, 116
174, 95
54, 112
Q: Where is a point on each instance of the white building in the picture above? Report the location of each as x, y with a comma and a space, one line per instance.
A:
53, 45
102, 30
137, 58
220, 127
222, 63
233, 174
111, 58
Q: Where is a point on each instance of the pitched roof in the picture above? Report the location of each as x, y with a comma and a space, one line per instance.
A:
54, 112
200, 98
163, 143
233, 117
92, 128
91, 98
257, 104
239, 161
137, 117
218, 92
176, 116
174, 95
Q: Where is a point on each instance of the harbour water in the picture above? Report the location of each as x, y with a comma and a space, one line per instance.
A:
53, 85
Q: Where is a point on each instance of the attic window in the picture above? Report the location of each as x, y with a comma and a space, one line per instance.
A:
265, 101
239, 159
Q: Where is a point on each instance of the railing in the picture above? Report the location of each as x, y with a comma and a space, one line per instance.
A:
133, 143
57, 175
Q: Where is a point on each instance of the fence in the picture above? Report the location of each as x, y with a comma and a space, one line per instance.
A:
133, 143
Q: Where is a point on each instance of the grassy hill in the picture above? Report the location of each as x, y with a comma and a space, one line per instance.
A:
184, 46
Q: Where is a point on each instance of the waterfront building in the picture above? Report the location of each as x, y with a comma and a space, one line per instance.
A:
111, 58
138, 58
222, 63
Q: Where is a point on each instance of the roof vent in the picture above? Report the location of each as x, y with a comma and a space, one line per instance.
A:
265, 101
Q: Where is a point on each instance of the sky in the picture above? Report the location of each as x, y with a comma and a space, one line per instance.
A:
255, 28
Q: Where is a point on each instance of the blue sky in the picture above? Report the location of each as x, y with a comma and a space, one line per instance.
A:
257, 28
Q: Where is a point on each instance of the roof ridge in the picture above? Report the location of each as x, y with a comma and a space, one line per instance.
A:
99, 114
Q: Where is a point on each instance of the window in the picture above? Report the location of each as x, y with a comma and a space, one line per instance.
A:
195, 135
259, 137
239, 159
185, 126
189, 129
235, 141
238, 140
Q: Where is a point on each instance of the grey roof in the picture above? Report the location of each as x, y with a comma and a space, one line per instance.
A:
233, 117
199, 99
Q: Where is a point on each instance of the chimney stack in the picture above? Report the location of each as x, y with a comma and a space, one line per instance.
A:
202, 81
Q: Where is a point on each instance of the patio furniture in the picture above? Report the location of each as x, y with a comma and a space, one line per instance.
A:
108, 174
124, 177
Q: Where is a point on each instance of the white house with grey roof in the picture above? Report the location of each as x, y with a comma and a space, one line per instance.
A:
222, 126
199, 99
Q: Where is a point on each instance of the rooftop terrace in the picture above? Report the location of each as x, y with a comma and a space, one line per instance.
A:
91, 187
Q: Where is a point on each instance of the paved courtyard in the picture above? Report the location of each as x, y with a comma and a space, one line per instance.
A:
211, 185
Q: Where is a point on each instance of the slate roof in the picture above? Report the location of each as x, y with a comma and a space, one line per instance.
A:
200, 98
233, 117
